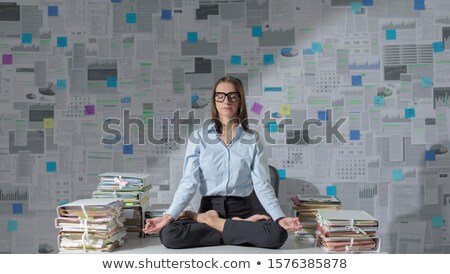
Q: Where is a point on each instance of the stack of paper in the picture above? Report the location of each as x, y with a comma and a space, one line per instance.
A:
347, 231
133, 189
90, 225
307, 206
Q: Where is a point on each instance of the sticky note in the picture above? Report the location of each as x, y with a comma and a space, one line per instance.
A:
269, 59
419, 4
272, 127
331, 191
235, 60
27, 38
111, 82
437, 221
12, 225
7, 59
257, 31
125, 100
51, 166
192, 37
355, 135
194, 98
438, 46
128, 149
166, 14
61, 84
285, 109
356, 7
430, 155
356, 80
410, 113
397, 175
130, 18
391, 34
316, 46
426, 82
367, 2
49, 122
282, 174
52, 10
322, 115
61, 42
17, 208
89, 109
256, 108
378, 100
116, 1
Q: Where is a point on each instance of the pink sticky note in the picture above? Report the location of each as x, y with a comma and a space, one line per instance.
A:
256, 108
7, 59
89, 109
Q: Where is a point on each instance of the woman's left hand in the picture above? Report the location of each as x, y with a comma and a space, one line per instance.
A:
290, 224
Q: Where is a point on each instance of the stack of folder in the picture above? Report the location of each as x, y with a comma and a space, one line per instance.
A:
133, 189
347, 231
307, 206
90, 225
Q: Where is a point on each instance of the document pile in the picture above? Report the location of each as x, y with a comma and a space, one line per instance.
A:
307, 206
347, 231
133, 189
90, 225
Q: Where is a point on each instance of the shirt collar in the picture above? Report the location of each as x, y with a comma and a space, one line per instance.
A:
212, 128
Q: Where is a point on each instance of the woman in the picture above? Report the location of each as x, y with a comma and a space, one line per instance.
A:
226, 160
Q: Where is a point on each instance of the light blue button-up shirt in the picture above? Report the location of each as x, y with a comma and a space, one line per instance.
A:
226, 170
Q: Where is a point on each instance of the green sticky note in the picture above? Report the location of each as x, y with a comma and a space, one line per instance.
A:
12, 226
397, 175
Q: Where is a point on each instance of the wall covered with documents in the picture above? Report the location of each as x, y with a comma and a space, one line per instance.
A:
373, 76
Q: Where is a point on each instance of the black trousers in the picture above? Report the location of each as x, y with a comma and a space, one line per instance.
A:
189, 233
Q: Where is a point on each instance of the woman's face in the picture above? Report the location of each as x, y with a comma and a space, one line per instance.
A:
227, 109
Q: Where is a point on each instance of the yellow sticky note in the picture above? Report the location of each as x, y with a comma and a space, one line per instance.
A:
49, 122
285, 109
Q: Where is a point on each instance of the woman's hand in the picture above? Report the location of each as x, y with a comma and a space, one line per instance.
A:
290, 224
155, 225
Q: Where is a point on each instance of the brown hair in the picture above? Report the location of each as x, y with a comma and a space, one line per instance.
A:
242, 110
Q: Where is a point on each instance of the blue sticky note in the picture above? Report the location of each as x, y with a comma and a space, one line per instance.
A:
316, 46
356, 80
355, 135
367, 2
410, 113
192, 37
378, 100
116, 1
419, 4
397, 175
322, 115
125, 100
61, 84
437, 221
391, 34
356, 7
331, 191
438, 46
12, 226
111, 82
61, 42
17, 208
128, 149
426, 82
430, 155
282, 174
235, 60
27, 38
272, 127
51, 166
52, 10
257, 31
194, 98
269, 59
130, 18
166, 14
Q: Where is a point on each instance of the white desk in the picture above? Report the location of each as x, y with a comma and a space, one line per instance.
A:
152, 245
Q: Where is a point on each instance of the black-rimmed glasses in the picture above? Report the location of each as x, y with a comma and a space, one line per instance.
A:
232, 96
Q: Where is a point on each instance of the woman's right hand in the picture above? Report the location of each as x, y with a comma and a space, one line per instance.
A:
155, 225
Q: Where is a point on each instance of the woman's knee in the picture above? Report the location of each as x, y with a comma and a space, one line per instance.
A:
277, 238
170, 236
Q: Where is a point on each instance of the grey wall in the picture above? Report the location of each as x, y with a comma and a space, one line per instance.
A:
63, 73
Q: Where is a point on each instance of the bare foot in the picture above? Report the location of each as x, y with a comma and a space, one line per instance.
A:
253, 218
199, 217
